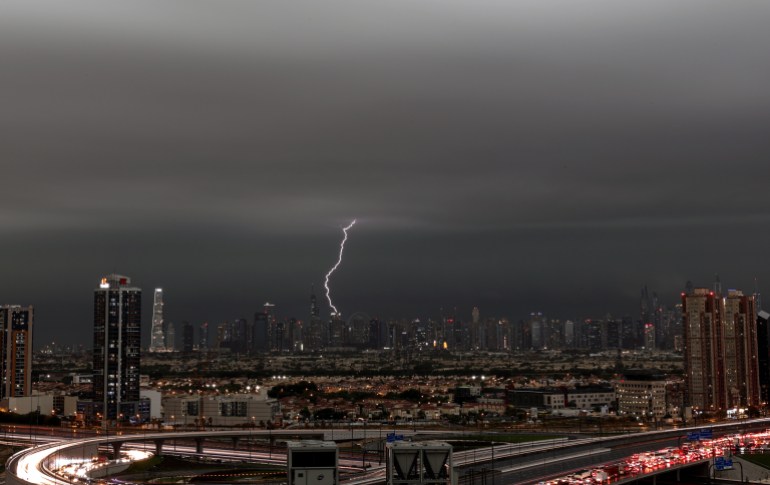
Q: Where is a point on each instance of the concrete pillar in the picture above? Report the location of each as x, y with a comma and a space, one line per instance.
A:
235, 442
199, 445
116, 445
159, 447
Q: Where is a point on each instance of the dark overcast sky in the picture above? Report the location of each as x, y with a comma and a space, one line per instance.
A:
515, 155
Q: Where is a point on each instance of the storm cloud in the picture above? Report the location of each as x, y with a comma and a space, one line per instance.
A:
519, 156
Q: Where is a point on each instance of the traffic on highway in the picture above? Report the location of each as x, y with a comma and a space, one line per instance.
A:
692, 450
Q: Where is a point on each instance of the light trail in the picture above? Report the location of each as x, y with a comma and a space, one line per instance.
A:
334, 268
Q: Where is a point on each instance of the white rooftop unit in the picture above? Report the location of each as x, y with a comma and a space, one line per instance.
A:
423, 463
312, 463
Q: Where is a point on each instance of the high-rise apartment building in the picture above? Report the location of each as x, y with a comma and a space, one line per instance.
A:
740, 350
117, 340
157, 336
763, 354
720, 350
16, 350
702, 316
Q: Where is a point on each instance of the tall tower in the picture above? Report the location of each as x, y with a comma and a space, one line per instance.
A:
720, 350
740, 348
476, 331
536, 324
763, 354
117, 338
203, 337
261, 342
157, 337
313, 336
188, 337
702, 316
16, 350
170, 337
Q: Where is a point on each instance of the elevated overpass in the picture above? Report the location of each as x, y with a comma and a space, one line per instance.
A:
511, 463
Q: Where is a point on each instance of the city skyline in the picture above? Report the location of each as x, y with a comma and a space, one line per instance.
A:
514, 157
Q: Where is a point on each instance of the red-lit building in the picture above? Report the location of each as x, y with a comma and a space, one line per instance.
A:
720, 350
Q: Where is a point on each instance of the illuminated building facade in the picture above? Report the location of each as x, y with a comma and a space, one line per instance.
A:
642, 393
117, 337
157, 337
740, 350
16, 350
720, 350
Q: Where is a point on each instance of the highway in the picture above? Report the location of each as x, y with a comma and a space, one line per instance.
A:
502, 464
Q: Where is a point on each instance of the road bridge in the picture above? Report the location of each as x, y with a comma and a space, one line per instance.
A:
520, 463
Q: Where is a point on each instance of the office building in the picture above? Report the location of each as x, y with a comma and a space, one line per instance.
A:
537, 324
188, 337
170, 337
117, 339
224, 336
157, 337
16, 324
642, 393
261, 341
229, 410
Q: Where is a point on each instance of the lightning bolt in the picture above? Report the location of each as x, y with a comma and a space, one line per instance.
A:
334, 268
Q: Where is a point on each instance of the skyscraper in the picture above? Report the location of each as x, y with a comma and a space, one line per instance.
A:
117, 337
702, 328
157, 337
203, 337
314, 335
170, 337
763, 354
720, 350
740, 349
536, 324
272, 326
188, 337
261, 341
476, 332
16, 350
649, 336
